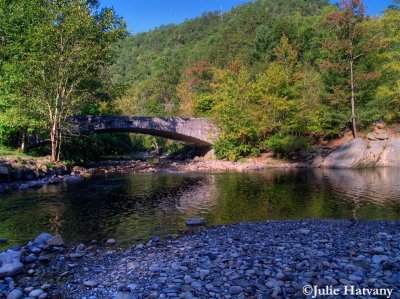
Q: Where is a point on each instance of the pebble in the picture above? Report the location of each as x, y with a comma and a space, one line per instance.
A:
355, 278
124, 295
271, 259
344, 281
76, 255
44, 258
111, 242
377, 259
235, 290
43, 296
132, 286
197, 285
31, 258
15, 294
45, 286
90, 283
35, 249
36, 293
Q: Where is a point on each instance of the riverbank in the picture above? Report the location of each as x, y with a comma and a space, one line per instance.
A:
249, 260
379, 148
25, 173
195, 165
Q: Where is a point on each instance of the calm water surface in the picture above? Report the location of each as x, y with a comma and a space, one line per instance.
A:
143, 205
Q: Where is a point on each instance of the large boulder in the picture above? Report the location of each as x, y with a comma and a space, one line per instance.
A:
346, 156
391, 153
359, 153
10, 262
372, 153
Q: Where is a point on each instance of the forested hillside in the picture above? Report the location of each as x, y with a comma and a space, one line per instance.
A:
157, 61
274, 74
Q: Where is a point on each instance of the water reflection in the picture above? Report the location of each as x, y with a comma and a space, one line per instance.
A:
380, 187
365, 187
141, 205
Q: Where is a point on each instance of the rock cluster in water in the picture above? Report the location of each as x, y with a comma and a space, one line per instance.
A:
254, 260
18, 174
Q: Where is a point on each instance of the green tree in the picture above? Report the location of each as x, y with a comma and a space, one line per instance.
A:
62, 59
388, 92
235, 112
16, 117
194, 90
347, 46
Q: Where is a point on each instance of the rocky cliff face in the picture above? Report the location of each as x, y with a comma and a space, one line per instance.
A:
378, 149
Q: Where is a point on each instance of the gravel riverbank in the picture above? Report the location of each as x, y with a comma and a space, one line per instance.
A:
195, 165
252, 260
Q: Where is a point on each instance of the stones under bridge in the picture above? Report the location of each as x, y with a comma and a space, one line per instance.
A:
196, 132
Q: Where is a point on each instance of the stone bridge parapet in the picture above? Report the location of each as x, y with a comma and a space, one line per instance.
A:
198, 132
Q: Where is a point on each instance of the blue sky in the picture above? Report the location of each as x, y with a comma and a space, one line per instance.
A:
143, 15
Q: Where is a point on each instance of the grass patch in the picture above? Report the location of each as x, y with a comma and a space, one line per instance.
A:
12, 153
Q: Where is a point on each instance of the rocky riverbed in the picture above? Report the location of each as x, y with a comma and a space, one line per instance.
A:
21, 174
195, 165
252, 260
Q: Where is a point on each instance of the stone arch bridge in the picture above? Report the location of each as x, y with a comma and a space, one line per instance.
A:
196, 132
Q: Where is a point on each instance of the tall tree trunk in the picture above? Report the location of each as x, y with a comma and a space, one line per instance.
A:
54, 137
23, 140
53, 141
155, 144
353, 99
54, 130
59, 143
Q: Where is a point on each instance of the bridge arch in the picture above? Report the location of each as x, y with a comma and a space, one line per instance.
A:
197, 132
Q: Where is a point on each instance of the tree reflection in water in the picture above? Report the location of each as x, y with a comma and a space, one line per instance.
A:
141, 205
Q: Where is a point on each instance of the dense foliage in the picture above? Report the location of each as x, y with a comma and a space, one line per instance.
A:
273, 74
54, 61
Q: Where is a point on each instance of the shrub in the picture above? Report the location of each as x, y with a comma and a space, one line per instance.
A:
229, 147
286, 145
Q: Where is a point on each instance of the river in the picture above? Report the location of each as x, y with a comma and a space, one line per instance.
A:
134, 207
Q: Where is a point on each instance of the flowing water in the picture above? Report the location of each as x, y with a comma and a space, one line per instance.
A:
138, 206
